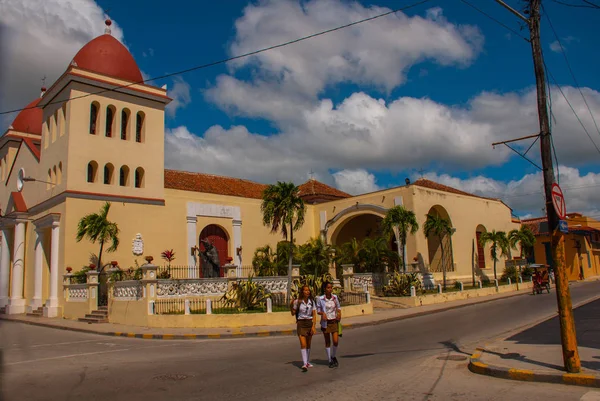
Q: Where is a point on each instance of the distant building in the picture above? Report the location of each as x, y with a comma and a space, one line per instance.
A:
582, 245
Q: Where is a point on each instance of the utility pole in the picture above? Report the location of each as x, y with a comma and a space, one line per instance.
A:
565, 309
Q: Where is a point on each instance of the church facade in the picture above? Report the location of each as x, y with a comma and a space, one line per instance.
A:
97, 135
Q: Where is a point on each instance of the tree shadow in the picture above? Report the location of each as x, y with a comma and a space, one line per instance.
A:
515, 356
593, 365
451, 345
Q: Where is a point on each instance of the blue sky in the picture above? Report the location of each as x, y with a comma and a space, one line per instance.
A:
478, 84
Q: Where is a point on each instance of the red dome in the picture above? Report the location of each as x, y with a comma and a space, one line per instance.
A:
106, 55
30, 119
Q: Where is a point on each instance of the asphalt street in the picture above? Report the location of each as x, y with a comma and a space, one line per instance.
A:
422, 358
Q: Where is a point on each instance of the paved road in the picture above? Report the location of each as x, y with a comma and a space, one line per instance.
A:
404, 360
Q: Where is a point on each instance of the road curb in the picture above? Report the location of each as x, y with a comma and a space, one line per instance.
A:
268, 333
574, 379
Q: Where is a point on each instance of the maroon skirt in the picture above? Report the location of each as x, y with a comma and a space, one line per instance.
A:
332, 327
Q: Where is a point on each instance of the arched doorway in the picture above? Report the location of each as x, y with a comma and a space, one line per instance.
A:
480, 251
360, 227
216, 236
440, 250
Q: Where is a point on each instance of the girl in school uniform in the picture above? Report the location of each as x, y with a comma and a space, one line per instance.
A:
305, 310
328, 306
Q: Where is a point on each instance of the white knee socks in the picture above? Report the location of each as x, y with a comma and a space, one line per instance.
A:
308, 355
333, 351
304, 355
328, 350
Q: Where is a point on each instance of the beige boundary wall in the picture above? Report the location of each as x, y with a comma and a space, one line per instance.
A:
135, 313
453, 296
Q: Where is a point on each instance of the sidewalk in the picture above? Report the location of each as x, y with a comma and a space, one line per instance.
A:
535, 354
378, 317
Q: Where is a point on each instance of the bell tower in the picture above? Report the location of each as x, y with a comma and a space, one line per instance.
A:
104, 126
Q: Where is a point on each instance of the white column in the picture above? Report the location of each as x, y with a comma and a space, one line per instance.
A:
4, 267
237, 242
51, 309
16, 303
36, 302
191, 241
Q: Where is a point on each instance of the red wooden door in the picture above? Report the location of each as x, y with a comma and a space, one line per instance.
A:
216, 236
480, 252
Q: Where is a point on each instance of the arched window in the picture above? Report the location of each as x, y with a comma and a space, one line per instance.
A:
110, 119
49, 180
139, 177
108, 173
124, 123
124, 176
139, 127
94, 117
54, 175
59, 174
45, 132
63, 119
55, 125
92, 170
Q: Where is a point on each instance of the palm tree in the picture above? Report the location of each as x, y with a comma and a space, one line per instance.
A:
264, 261
316, 257
97, 227
524, 237
282, 207
404, 221
350, 253
375, 253
440, 227
499, 242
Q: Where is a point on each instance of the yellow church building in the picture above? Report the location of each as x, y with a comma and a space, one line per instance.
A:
97, 135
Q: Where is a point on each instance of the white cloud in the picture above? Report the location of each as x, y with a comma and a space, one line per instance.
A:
556, 45
526, 196
39, 38
180, 93
377, 54
355, 182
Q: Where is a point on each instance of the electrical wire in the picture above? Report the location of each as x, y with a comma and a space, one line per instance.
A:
562, 50
495, 20
572, 109
223, 61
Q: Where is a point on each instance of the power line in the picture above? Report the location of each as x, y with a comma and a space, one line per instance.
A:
223, 61
573, 110
570, 69
588, 4
495, 20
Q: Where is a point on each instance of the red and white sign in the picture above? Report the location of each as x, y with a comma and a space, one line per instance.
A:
558, 200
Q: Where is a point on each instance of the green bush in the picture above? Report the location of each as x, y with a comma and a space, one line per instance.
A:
246, 295
457, 285
399, 284
527, 272
314, 283
80, 277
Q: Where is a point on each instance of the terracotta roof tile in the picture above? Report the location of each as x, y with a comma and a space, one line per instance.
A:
422, 182
213, 184
316, 189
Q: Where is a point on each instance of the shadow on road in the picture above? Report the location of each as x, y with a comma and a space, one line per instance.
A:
587, 325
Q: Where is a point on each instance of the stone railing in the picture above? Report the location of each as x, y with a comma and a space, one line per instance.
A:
272, 284
127, 290
191, 287
76, 292
369, 282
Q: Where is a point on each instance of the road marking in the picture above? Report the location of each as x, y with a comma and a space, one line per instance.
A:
50, 344
87, 353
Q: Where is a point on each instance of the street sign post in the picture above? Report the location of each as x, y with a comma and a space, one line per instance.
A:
558, 200
563, 226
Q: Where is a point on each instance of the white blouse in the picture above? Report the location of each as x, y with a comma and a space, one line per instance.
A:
306, 309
